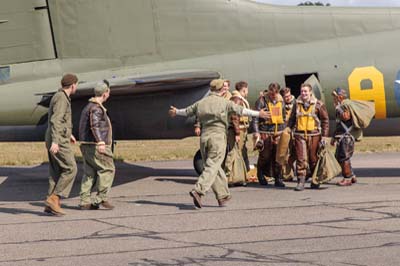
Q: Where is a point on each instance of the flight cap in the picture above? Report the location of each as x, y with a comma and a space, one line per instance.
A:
217, 84
68, 79
339, 92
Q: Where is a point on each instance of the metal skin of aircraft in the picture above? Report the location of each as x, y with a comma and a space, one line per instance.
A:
157, 53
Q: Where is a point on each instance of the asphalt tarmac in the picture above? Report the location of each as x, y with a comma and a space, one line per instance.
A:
155, 223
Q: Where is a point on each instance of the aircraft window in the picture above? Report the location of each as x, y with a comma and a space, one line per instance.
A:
294, 81
4, 73
366, 84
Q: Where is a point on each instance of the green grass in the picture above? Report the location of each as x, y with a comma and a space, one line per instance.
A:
33, 153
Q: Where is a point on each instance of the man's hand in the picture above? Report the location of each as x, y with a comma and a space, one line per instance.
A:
324, 140
256, 136
237, 138
73, 139
101, 148
333, 141
197, 131
265, 114
54, 149
172, 111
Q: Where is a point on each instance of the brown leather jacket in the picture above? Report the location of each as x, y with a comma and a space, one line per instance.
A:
95, 125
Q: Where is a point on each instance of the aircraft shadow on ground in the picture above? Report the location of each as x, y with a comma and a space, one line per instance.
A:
31, 183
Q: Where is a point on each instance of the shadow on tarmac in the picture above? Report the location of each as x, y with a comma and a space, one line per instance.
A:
31, 183
180, 206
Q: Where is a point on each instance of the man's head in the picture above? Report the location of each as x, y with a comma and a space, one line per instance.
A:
102, 90
243, 88
273, 91
286, 94
305, 92
339, 95
225, 87
69, 82
217, 85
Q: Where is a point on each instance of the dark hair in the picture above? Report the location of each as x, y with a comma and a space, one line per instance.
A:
240, 85
285, 91
274, 87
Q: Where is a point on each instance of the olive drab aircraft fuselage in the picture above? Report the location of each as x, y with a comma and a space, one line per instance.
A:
158, 53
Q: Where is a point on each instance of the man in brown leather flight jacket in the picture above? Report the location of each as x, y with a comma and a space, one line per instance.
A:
95, 134
310, 121
268, 132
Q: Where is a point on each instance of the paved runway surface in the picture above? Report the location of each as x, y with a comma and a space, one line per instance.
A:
154, 222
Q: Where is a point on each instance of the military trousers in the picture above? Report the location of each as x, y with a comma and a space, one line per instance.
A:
266, 163
213, 148
62, 169
306, 153
343, 154
98, 173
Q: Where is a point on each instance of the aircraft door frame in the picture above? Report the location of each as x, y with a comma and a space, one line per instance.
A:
316, 87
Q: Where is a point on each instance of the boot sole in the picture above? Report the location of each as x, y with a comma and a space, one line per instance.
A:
51, 206
195, 200
49, 210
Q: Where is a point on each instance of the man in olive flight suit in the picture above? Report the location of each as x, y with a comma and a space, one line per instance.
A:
212, 112
95, 134
58, 143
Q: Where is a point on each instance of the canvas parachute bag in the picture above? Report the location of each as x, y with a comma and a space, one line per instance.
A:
362, 112
282, 153
327, 166
239, 171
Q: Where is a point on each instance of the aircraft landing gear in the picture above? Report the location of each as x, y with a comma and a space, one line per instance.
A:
198, 163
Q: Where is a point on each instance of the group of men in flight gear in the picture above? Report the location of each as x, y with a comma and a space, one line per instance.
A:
278, 111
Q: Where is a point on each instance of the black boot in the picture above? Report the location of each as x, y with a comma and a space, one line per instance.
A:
261, 178
300, 183
279, 181
314, 186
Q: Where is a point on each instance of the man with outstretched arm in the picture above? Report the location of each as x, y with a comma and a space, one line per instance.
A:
213, 111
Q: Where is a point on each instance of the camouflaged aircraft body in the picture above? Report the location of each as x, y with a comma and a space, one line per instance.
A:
158, 53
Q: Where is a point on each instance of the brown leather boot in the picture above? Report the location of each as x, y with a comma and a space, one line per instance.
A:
222, 202
196, 198
53, 202
107, 205
354, 179
344, 182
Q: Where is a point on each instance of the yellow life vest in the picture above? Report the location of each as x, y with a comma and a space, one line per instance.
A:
306, 120
276, 114
244, 119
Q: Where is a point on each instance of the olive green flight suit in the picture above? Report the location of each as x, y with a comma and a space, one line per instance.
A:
98, 167
62, 166
212, 112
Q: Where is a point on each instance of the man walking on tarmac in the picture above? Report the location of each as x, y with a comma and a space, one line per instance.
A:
62, 165
212, 112
343, 138
95, 134
269, 131
310, 122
